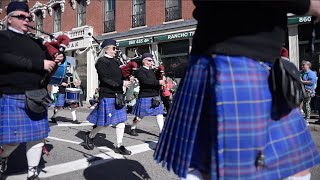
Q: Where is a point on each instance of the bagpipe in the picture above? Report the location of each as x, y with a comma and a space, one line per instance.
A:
56, 46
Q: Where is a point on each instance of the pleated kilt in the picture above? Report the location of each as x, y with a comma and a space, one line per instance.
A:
220, 122
105, 113
143, 108
60, 100
16, 126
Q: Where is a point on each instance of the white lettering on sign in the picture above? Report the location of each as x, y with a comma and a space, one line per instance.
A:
305, 19
73, 45
138, 41
181, 35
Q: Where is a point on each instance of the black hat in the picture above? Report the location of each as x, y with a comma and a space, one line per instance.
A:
108, 42
17, 6
147, 55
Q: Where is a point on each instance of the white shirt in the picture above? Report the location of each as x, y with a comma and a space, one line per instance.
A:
15, 30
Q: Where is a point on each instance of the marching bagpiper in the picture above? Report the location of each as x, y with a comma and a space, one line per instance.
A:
149, 102
111, 109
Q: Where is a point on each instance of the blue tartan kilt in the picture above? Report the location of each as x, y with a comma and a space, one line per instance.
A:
105, 113
17, 126
60, 100
220, 122
143, 108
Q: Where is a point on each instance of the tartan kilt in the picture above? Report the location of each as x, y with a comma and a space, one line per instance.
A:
105, 113
17, 126
143, 108
60, 100
220, 122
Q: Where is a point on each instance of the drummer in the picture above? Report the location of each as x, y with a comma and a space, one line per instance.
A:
60, 102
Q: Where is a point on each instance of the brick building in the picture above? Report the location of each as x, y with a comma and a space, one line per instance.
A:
162, 27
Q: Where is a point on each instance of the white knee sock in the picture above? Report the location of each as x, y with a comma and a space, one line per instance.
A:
74, 115
135, 122
193, 175
305, 177
160, 121
95, 131
119, 132
8, 149
34, 152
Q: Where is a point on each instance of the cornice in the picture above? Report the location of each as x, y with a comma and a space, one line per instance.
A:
38, 7
73, 3
52, 3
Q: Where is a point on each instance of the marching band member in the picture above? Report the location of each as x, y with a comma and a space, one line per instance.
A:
68, 81
24, 63
149, 92
220, 124
107, 113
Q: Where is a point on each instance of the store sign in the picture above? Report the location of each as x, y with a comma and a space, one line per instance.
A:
135, 42
80, 44
299, 20
182, 35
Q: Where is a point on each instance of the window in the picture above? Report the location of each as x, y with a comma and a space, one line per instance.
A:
57, 19
39, 23
138, 13
174, 56
82, 10
109, 15
0, 4
173, 10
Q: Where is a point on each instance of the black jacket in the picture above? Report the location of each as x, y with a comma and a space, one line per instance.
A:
110, 77
21, 63
149, 85
255, 29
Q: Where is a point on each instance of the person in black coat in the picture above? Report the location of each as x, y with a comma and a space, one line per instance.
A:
149, 93
25, 65
110, 86
220, 124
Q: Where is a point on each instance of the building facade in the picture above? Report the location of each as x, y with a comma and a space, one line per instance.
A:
163, 27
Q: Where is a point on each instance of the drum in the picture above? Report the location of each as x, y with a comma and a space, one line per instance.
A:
58, 76
72, 95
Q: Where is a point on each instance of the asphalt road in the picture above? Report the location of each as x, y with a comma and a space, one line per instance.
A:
69, 159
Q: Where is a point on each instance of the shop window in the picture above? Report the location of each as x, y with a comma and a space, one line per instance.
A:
174, 56
138, 13
173, 10
82, 11
109, 15
57, 18
132, 51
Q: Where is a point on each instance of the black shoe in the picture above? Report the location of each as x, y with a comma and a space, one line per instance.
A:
34, 177
122, 150
76, 122
53, 120
133, 132
89, 141
3, 167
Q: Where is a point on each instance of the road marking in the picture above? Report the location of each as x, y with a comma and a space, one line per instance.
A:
76, 142
86, 162
71, 124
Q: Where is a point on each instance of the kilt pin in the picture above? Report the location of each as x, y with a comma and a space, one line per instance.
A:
220, 124
106, 114
143, 108
17, 125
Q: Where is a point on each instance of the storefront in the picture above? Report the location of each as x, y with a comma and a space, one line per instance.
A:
173, 51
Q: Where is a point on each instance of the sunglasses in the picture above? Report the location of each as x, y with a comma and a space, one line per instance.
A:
23, 17
113, 47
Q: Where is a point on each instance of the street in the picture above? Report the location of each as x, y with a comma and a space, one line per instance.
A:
69, 159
